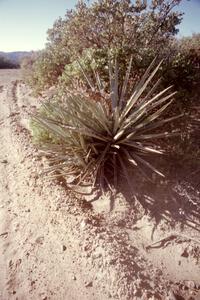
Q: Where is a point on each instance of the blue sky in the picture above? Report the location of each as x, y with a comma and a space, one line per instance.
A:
191, 19
24, 23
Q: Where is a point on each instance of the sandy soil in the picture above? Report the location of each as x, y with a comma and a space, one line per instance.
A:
58, 245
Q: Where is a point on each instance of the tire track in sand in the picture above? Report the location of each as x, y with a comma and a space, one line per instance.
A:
37, 258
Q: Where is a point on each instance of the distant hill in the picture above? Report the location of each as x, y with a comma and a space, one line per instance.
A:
13, 58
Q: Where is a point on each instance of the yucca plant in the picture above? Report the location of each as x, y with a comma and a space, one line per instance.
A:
97, 141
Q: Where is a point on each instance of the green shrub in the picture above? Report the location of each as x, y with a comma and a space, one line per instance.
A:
40, 134
123, 27
73, 72
183, 71
42, 71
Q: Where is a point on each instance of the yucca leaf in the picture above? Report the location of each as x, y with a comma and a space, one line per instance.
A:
146, 74
88, 155
155, 115
146, 163
50, 126
129, 157
82, 122
100, 116
102, 177
52, 168
141, 170
116, 83
150, 118
158, 123
152, 90
115, 146
161, 101
142, 108
157, 135
118, 135
82, 142
125, 83
125, 172
58, 175
115, 120
86, 77
134, 98
142, 148
115, 170
85, 172
145, 103
98, 81
102, 156
112, 84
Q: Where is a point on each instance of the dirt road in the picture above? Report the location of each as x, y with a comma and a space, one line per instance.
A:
53, 245
37, 261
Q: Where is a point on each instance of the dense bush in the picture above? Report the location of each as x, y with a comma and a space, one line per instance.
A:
42, 70
7, 64
121, 27
183, 71
27, 67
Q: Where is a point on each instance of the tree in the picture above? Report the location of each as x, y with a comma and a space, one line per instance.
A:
183, 71
119, 25
122, 28
6, 64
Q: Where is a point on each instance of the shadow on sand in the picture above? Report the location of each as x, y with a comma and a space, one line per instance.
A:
175, 202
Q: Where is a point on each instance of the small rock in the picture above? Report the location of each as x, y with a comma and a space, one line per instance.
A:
152, 284
190, 248
152, 298
32, 283
198, 286
40, 240
4, 161
111, 261
64, 248
83, 224
144, 295
73, 277
185, 253
171, 296
190, 284
88, 284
